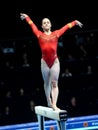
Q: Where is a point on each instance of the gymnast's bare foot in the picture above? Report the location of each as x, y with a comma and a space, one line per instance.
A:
54, 107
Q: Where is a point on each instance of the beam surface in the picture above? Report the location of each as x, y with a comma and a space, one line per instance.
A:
58, 115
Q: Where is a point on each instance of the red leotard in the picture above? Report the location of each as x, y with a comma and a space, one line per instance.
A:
48, 43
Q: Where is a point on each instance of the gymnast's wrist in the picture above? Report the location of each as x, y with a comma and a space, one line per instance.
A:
70, 25
29, 20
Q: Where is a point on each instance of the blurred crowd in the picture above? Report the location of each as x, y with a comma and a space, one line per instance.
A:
21, 84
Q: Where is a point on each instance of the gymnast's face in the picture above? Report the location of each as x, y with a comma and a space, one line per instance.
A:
46, 24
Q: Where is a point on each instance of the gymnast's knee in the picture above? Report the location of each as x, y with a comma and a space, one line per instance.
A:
54, 83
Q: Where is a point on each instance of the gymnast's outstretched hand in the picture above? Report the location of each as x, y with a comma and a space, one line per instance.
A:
23, 16
79, 24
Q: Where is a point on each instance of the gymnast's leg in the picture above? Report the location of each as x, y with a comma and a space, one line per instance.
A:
54, 75
47, 82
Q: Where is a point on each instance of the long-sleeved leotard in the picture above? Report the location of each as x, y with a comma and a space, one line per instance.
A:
48, 43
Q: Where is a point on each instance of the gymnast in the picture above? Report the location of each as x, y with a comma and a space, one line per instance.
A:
50, 65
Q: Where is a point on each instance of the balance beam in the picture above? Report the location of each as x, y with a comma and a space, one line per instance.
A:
50, 113
59, 115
